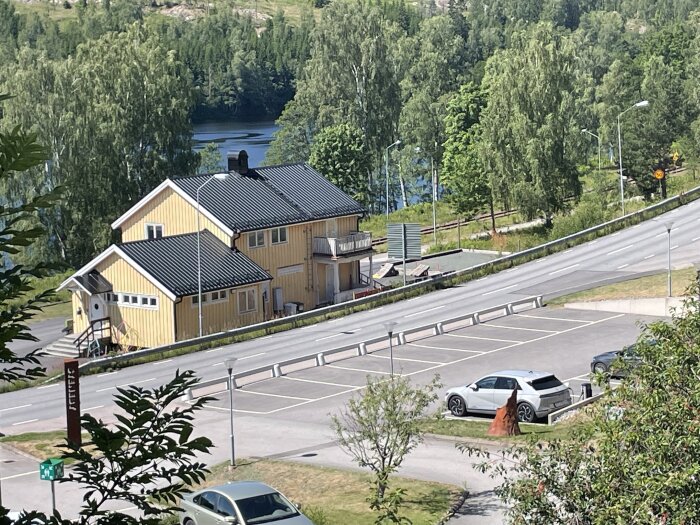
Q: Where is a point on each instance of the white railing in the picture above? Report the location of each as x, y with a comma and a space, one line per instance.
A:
335, 246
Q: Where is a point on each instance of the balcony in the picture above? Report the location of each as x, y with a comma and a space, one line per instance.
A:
340, 246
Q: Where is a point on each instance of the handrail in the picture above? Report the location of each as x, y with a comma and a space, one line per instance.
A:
89, 332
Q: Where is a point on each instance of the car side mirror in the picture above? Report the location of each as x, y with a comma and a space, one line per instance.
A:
474, 387
231, 519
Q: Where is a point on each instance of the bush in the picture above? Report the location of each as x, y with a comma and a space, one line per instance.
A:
316, 515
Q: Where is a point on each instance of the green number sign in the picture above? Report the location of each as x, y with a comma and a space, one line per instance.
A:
51, 469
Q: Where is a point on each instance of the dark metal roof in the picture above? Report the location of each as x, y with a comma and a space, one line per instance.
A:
173, 262
94, 282
270, 196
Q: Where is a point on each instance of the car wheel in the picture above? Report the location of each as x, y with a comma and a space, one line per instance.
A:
457, 406
600, 368
188, 522
526, 413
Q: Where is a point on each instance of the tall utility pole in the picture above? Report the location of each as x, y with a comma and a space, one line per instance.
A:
640, 104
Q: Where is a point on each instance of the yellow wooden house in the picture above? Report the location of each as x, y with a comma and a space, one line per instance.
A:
271, 241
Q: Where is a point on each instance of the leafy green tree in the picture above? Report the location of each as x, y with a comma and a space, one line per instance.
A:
636, 460
381, 427
463, 174
340, 155
19, 151
210, 159
148, 458
530, 123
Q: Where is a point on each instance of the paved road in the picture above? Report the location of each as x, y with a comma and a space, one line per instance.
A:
298, 405
621, 255
47, 332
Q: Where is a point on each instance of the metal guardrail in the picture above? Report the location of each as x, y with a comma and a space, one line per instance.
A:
528, 254
359, 349
554, 416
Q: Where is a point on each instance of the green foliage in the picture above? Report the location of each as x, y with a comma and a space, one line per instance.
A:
339, 153
463, 174
530, 124
382, 426
637, 462
388, 507
316, 515
20, 151
210, 159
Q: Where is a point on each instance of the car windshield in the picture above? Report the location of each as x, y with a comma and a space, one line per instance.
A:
545, 383
266, 508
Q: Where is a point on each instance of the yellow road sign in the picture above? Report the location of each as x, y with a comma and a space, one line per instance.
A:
659, 174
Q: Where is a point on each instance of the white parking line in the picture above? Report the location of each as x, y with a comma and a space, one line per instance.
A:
359, 370
623, 266
520, 328
215, 349
482, 338
318, 382
91, 408
126, 385
23, 422
309, 326
274, 395
48, 386
425, 311
564, 269
442, 348
550, 318
106, 374
649, 256
19, 475
14, 408
674, 247
250, 356
405, 359
621, 249
162, 362
695, 239
218, 364
501, 289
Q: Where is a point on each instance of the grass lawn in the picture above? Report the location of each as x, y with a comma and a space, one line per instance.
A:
650, 286
471, 429
41, 445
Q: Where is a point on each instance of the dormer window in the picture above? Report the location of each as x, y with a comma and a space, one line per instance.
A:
154, 231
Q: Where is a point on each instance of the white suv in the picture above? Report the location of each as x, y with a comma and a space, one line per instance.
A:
539, 393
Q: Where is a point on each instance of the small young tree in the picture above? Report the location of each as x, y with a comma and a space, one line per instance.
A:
380, 427
210, 159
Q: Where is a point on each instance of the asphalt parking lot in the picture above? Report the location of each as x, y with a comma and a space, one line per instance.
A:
557, 340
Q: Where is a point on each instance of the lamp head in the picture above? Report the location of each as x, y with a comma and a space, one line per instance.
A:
668, 225
398, 141
220, 176
584, 130
230, 362
389, 326
642, 104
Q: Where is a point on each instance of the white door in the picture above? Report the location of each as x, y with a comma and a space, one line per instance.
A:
97, 308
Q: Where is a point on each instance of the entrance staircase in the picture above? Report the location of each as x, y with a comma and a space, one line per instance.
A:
65, 347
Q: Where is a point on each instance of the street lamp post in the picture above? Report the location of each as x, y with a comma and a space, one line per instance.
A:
640, 104
389, 326
386, 172
229, 367
217, 176
584, 130
669, 225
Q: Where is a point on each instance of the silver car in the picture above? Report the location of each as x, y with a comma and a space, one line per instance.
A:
239, 502
539, 393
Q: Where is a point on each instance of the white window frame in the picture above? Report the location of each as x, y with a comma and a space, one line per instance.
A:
219, 299
132, 300
279, 231
155, 227
247, 293
257, 238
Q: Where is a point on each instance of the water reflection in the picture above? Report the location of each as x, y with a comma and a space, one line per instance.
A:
254, 137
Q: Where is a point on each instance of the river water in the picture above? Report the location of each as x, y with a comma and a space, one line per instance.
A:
254, 137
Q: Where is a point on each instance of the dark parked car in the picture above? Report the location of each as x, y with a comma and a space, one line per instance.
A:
617, 363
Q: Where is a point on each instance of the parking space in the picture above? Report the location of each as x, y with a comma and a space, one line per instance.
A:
558, 340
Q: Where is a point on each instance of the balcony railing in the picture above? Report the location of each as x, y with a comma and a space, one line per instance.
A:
336, 246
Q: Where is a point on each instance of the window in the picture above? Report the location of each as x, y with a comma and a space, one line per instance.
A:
487, 382
207, 500
195, 299
507, 383
247, 301
154, 231
225, 507
279, 235
219, 296
545, 383
139, 301
256, 239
